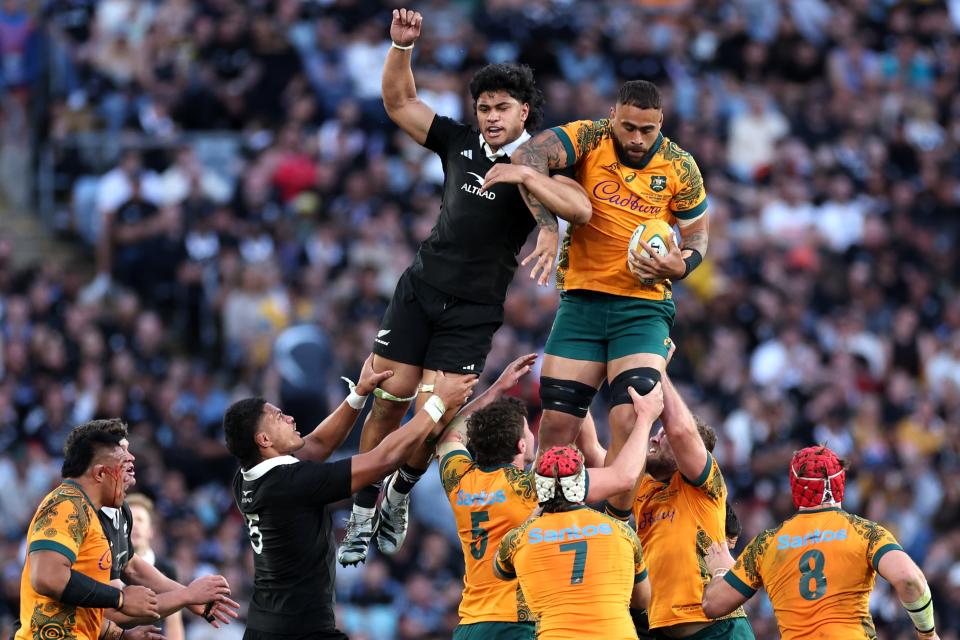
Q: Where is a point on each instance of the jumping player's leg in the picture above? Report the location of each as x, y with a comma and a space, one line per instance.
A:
573, 367
459, 343
638, 346
567, 388
400, 345
383, 419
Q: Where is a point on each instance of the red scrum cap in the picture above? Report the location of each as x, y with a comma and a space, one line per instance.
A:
817, 477
563, 466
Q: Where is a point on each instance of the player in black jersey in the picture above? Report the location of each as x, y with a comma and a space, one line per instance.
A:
449, 303
284, 499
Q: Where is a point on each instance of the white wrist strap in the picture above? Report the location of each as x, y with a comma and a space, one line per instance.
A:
719, 573
355, 400
921, 611
396, 46
435, 407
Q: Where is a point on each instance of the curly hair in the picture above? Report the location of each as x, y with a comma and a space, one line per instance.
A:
517, 80
495, 430
707, 433
240, 424
86, 440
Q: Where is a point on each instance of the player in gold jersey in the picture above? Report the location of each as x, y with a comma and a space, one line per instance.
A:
680, 510
610, 324
820, 565
580, 570
65, 583
491, 493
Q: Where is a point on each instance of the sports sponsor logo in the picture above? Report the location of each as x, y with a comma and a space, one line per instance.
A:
815, 537
106, 560
380, 335
476, 189
467, 499
649, 518
244, 499
467, 153
538, 535
609, 191
469, 367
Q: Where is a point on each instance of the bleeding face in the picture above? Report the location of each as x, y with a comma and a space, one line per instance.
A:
635, 131
501, 117
111, 473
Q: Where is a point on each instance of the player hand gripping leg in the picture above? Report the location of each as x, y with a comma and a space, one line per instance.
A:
390, 404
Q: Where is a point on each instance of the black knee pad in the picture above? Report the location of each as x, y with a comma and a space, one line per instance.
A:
642, 379
566, 396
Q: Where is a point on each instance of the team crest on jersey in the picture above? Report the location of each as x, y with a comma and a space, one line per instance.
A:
658, 183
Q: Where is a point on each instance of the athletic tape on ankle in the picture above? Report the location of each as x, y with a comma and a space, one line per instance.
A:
383, 394
355, 400
435, 407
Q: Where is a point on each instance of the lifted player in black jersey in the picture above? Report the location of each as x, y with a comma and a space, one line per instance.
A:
449, 303
284, 499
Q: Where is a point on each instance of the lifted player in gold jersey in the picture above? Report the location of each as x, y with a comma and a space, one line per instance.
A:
610, 324
819, 566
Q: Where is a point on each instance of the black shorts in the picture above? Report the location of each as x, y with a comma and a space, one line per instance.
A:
335, 634
428, 328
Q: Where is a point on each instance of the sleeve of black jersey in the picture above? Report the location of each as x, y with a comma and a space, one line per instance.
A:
443, 132
319, 483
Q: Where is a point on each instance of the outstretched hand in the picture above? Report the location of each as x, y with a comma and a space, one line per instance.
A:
545, 253
514, 371
405, 28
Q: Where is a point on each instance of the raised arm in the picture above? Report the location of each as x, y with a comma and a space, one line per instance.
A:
450, 392
622, 474
330, 434
456, 432
682, 431
398, 87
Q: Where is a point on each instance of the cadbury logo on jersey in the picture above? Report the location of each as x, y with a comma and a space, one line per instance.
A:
609, 191
817, 537
466, 499
649, 518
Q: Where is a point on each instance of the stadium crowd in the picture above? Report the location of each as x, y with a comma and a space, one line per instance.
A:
827, 309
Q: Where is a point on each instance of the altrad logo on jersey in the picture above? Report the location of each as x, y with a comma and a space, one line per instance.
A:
476, 189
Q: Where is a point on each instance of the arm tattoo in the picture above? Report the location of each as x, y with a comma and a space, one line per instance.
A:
697, 240
545, 219
542, 152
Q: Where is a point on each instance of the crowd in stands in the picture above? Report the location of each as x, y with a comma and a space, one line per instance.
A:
827, 309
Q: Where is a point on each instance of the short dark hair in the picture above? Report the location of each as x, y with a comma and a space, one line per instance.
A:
86, 440
642, 94
707, 434
240, 424
517, 80
494, 431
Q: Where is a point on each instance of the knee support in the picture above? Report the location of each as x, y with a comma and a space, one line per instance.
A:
566, 396
642, 379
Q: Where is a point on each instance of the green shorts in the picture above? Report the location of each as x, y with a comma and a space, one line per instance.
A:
496, 631
729, 629
601, 327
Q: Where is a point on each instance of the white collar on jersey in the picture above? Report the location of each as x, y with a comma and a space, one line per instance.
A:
505, 150
258, 471
114, 514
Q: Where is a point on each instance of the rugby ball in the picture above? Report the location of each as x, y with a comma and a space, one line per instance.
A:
657, 234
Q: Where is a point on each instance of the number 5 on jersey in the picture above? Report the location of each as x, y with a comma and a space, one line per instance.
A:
478, 545
256, 538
